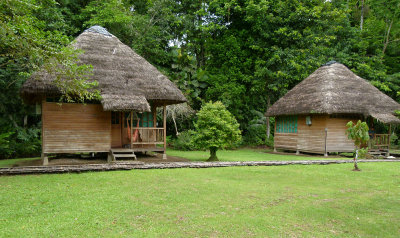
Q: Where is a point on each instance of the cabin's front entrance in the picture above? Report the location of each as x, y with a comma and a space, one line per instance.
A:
116, 130
137, 131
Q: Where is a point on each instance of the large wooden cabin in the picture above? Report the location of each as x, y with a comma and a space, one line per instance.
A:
312, 117
124, 121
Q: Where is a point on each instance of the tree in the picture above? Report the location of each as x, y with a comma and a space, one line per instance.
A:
216, 128
359, 134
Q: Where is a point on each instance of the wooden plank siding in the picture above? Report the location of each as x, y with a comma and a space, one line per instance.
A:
287, 141
312, 138
337, 140
72, 127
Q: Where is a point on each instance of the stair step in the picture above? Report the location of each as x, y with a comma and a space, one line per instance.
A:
124, 155
122, 150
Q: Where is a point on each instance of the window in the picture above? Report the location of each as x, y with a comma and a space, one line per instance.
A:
115, 118
286, 124
146, 119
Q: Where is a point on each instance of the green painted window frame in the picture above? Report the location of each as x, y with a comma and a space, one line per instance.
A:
286, 124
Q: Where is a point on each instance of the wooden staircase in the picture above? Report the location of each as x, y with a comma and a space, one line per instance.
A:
119, 153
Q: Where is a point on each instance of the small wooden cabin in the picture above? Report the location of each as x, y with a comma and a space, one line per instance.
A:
312, 117
124, 121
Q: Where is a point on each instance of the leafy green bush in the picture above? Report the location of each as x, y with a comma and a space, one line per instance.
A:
5, 150
27, 142
270, 142
255, 135
184, 141
20, 142
216, 128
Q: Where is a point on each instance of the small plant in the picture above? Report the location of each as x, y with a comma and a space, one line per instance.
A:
359, 134
216, 128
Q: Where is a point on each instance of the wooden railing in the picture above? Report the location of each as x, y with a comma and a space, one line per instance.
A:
380, 141
149, 135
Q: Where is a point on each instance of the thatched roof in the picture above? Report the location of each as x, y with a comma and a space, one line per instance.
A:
126, 80
334, 89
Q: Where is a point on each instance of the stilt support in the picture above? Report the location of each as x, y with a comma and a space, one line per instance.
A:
164, 155
45, 159
109, 157
297, 152
274, 149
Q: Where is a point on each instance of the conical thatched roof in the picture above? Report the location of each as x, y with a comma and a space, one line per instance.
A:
334, 89
126, 80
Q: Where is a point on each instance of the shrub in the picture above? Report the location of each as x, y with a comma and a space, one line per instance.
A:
216, 128
184, 141
255, 135
5, 150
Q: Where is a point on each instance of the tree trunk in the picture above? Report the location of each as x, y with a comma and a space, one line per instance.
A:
25, 120
173, 119
213, 154
355, 162
362, 15
386, 43
267, 118
12, 121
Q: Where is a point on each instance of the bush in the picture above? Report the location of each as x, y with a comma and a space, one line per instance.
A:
255, 135
270, 142
184, 141
5, 150
20, 142
27, 142
216, 128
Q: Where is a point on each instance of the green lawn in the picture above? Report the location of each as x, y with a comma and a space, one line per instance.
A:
243, 155
288, 201
10, 162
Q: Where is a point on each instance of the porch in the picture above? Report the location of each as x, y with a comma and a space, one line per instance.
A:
138, 132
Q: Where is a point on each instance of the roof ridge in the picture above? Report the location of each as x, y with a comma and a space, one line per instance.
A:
99, 29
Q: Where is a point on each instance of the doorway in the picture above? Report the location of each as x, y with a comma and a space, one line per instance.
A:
116, 130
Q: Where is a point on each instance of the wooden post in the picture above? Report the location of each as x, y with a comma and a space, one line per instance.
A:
275, 133
131, 131
165, 130
390, 132
45, 160
326, 138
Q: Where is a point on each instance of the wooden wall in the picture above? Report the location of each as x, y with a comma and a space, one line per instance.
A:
337, 140
312, 138
70, 127
286, 141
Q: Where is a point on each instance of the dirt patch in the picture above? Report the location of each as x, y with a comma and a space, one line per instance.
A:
59, 160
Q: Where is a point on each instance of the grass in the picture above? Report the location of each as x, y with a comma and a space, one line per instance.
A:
300, 201
10, 162
242, 155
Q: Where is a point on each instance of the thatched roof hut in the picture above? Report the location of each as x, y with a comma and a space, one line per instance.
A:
334, 89
126, 80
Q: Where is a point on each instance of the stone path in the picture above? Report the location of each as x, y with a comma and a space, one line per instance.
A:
169, 165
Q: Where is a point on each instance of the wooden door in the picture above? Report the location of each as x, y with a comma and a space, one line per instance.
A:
116, 130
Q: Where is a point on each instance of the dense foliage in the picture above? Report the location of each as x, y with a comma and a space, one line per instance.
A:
244, 53
216, 128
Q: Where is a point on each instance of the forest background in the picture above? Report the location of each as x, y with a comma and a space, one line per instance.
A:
244, 53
